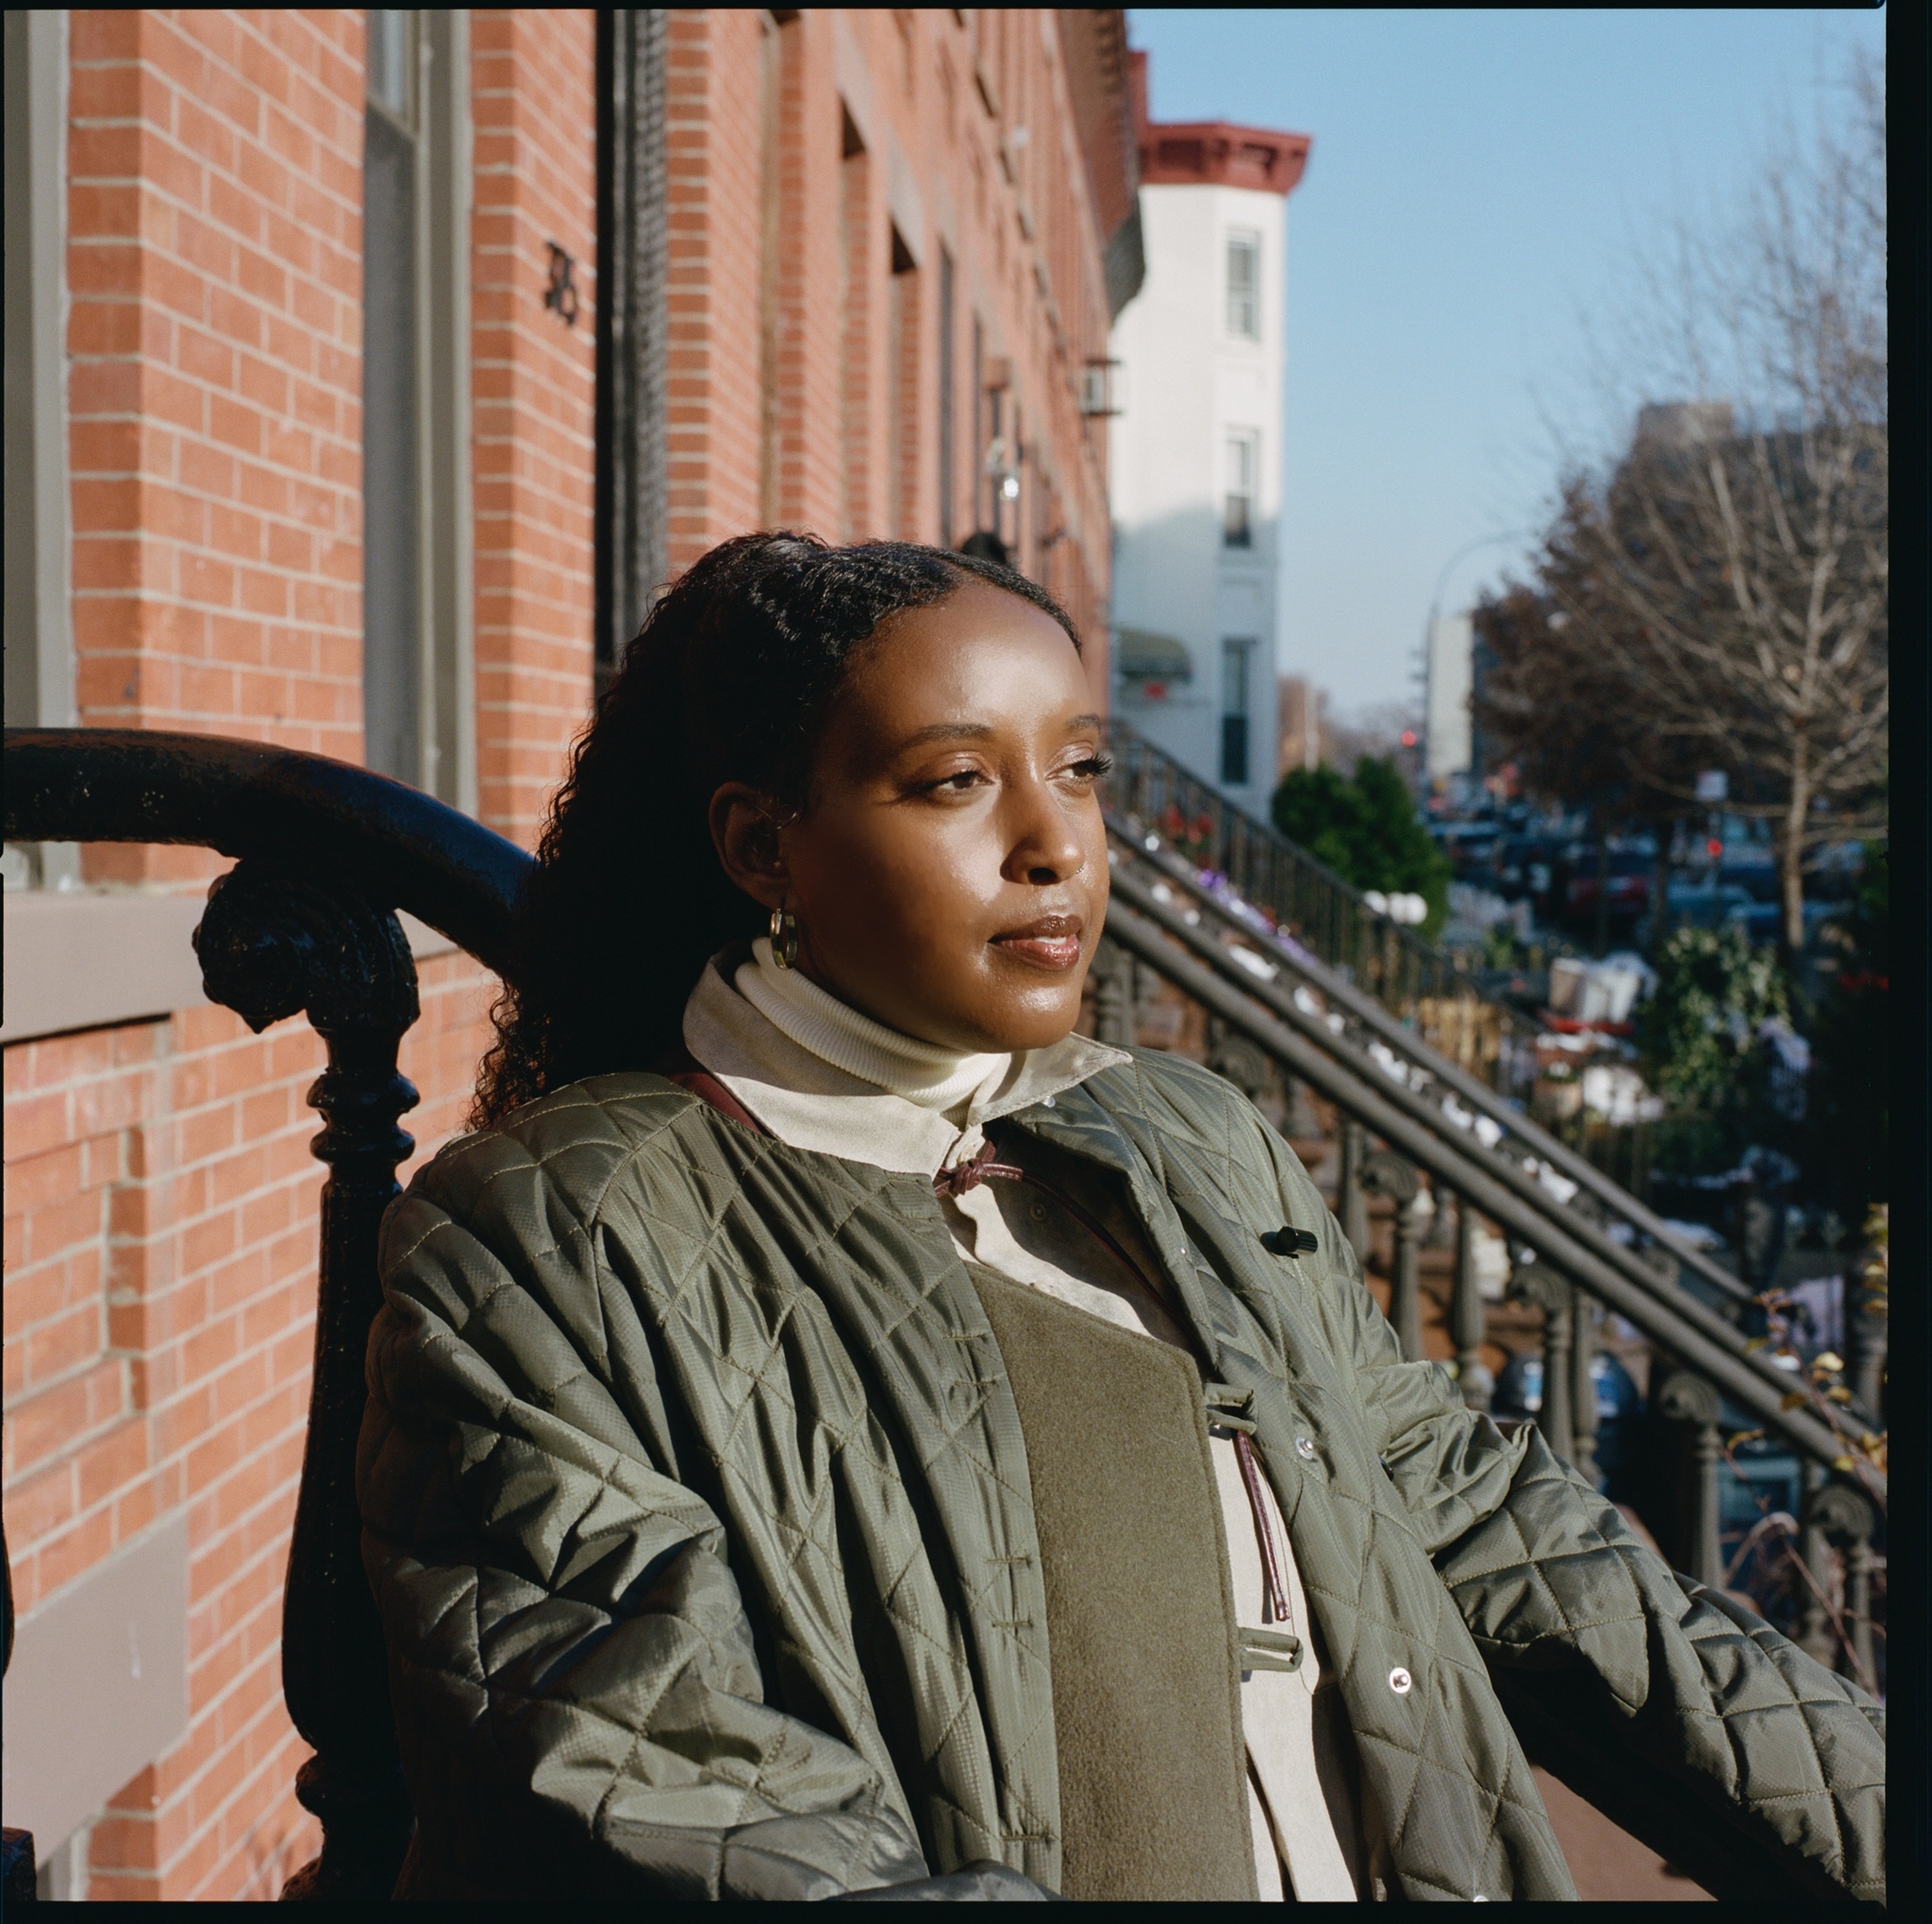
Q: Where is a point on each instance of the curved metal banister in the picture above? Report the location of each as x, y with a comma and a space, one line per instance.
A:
1329, 914
1664, 1322
1424, 1056
1420, 1056
243, 798
1136, 897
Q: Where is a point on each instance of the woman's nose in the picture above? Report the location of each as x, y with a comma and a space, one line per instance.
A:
1047, 847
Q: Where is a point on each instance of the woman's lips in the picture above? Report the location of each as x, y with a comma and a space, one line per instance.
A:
1052, 942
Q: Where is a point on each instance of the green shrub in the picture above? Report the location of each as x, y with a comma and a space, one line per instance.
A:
1366, 829
1698, 1035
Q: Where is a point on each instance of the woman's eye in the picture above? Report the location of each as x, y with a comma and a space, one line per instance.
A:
1092, 767
956, 784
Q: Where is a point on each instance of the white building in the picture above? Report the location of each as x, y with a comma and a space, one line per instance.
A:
1195, 455
1448, 729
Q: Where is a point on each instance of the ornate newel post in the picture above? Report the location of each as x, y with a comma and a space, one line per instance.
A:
1814, 1627
1844, 1518
1539, 1283
1466, 1318
271, 946
1387, 1174
1690, 1401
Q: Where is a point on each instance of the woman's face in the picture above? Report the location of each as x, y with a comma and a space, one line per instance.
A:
949, 876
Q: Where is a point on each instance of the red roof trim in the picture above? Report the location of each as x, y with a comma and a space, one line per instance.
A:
1212, 152
1216, 154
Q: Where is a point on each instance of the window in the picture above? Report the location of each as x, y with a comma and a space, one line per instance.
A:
1245, 286
855, 255
1236, 665
948, 456
39, 623
418, 679
1237, 518
902, 394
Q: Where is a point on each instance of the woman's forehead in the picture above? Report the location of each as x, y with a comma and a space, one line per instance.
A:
993, 662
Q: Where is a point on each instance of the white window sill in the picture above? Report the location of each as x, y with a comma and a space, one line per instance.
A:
95, 959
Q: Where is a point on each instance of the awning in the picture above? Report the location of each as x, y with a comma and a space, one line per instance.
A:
1144, 656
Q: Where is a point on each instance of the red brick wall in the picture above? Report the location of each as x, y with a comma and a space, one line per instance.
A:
160, 1199
851, 460
535, 109
214, 262
713, 167
161, 1256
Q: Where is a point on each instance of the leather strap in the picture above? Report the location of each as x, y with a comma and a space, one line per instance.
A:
692, 1075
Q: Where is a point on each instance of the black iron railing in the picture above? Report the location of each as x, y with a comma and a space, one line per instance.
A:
1151, 794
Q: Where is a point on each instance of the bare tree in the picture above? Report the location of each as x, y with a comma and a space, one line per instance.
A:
1723, 586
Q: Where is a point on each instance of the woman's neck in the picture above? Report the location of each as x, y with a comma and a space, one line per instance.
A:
836, 1032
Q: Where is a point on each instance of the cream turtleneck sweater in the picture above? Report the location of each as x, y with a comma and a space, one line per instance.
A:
822, 1076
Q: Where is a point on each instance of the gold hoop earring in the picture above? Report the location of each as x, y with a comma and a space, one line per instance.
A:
784, 938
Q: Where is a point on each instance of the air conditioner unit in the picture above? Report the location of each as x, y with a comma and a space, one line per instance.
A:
1100, 388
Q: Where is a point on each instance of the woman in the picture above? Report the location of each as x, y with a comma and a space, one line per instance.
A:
834, 1430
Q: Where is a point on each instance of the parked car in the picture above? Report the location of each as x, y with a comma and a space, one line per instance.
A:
1764, 921
1627, 876
1468, 845
1706, 903
1524, 865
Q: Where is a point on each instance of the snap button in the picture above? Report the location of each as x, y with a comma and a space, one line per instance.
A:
1305, 1449
1399, 1680
1046, 1102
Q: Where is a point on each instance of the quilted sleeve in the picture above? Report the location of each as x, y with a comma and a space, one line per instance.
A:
577, 1696
1687, 1719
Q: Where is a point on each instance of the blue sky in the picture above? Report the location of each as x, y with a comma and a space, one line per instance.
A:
1477, 182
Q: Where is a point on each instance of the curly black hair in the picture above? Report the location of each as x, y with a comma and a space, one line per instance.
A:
730, 679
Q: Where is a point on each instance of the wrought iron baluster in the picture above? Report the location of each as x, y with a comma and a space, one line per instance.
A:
1466, 1313
1539, 1283
1350, 1207
1388, 1174
1585, 1320
1694, 1403
1814, 1625
272, 945
1845, 1518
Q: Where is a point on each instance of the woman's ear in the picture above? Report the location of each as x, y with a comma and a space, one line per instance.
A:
744, 830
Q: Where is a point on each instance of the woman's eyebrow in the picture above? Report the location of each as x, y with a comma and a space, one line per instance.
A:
979, 731
948, 731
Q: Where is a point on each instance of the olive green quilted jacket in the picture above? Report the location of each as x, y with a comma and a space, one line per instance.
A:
696, 1506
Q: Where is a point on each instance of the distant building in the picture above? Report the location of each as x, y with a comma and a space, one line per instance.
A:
1299, 739
1448, 743
1196, 457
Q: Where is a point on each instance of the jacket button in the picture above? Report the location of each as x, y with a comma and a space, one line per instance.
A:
1305, 1449
1399, 1680
1046, 1102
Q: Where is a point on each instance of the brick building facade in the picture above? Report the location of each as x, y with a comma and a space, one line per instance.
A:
303, 445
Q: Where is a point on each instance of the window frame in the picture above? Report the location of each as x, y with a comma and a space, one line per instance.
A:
1237, 653
40, 685
1238, 527
420, 701
1236, 241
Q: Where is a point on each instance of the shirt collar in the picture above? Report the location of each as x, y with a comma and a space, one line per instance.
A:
813, 1102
